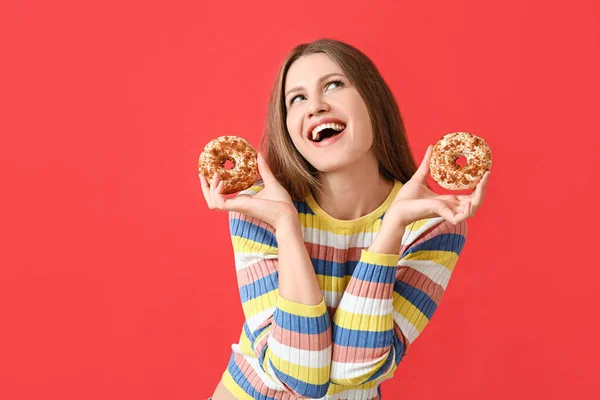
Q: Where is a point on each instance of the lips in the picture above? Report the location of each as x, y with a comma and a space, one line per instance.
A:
308, 132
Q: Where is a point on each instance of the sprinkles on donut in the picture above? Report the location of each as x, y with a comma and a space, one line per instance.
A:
240, 153
447, 173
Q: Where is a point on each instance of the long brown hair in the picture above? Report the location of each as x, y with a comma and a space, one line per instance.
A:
390, 145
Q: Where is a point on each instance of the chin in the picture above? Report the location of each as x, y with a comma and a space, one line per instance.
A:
330, 165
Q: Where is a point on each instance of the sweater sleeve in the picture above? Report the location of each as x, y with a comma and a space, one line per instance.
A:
389, 300
292, 341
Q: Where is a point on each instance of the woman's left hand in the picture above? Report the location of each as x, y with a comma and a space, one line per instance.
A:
415, 201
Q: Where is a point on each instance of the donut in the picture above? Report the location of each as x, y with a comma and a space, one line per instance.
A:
240, 153
444, 169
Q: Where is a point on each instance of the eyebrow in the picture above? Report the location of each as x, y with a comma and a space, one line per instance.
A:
298, 88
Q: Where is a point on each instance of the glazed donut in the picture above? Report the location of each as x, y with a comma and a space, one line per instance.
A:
447, 173
240, 153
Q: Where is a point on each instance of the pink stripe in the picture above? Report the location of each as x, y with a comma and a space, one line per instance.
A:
256, 271
442, 227
303, 341
252, 220
420, 281
370, 290
323, 252
331, 311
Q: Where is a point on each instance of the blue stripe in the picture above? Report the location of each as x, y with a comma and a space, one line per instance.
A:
416, 297
332, 268
374, 273
329, 268
259, 287
302, 207
240, 379
248, 230
442, 242
295, 323
363, 339
305, 389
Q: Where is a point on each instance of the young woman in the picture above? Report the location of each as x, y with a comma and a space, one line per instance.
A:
342, 251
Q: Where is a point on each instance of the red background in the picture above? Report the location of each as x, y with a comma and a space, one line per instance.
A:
117, 282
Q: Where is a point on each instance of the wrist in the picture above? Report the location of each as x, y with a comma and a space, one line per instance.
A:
388, 241
287, 225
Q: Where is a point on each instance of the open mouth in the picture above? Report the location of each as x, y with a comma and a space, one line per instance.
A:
327, 132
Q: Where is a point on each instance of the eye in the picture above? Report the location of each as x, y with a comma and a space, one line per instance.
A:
340, 83
293, 98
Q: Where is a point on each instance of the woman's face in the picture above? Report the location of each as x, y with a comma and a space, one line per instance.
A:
316, 90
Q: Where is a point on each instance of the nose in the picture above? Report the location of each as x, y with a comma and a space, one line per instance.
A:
316, 105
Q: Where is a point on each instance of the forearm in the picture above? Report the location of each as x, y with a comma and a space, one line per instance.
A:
297, 278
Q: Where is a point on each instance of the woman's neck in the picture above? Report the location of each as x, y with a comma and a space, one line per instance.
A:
353, 191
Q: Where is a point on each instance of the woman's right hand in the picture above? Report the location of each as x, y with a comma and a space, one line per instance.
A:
272, 204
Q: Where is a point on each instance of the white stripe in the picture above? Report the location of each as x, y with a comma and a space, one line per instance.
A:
410, 236
341, 371
366, 306
361, 239
332, 299
434, 271
342, 242
354, 394
244, 260
305, 358
257, 319
407, 329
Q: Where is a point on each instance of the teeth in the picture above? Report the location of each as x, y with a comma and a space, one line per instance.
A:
319, 128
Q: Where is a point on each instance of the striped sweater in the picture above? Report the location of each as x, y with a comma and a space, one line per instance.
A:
374, 305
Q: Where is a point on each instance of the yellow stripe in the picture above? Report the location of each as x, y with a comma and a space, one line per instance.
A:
245, 345
314, 376
446, 259
335, 389
333, 283
388, 260
257, 188
303, 310
260, 303
410, 312
363, 322
244, 245
316, 222
233, 387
